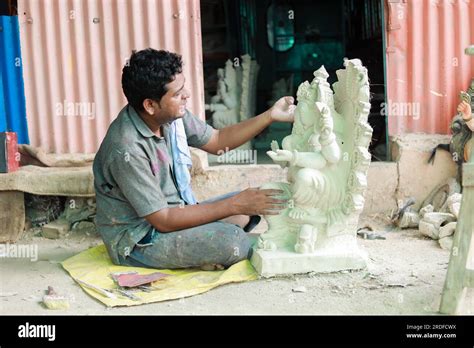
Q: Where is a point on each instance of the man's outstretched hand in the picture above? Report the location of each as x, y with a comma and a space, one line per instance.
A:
254, 201
283, 110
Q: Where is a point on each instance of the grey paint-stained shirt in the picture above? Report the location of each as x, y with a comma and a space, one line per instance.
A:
133, 177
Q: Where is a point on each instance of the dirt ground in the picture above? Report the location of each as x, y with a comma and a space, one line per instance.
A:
405, 276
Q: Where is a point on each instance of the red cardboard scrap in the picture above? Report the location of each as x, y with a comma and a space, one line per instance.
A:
8, 152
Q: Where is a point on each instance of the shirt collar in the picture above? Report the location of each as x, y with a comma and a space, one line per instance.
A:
139, 124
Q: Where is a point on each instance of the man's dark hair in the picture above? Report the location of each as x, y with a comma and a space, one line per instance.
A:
146, 74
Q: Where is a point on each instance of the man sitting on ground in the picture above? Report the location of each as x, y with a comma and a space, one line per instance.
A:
146, 212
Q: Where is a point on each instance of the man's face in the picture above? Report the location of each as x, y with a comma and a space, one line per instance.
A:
173, 104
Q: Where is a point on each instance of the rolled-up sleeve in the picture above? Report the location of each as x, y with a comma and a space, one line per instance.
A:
133, 174
197, 131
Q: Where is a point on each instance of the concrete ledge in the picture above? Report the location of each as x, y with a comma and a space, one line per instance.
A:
416, 177
68, 181
409, 176
215, 181
218, 180
54, 181
382, 184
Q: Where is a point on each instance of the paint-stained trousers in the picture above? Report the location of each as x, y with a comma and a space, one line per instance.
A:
213, 243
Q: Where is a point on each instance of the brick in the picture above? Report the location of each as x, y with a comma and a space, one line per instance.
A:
56, 229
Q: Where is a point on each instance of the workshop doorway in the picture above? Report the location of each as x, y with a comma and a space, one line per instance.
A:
308, 34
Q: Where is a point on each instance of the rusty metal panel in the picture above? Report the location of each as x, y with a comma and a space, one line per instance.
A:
426, 64
73, 53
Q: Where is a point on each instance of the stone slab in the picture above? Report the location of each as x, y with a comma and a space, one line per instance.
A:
275, 263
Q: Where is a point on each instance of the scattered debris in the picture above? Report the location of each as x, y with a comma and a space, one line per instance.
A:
56, 229
428, 230
440, 212
440, 194
365, 228
426, 209
404, 216
447, 230
127, 293
454, 204
436, 219
432, 222
409, 219
299, 289
58, 215
101, 291
446, 242
403, 206
365, 234
148, 288
54, 301
395, 285
117, 274
372, 287
41, 209
86, 227
34, 231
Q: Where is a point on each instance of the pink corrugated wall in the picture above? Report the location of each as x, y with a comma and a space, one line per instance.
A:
426, 63
74, 51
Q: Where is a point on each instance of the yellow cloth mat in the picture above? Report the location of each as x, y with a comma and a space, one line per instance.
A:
93, 267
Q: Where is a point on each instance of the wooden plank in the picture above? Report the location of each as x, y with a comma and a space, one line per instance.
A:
457, 272
458, 276
468, 175
469, 279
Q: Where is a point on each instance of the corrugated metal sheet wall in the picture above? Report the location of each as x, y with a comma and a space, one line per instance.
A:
73, 53
426, 64
12, 95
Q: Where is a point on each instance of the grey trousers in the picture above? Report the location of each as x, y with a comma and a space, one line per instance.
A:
213, 243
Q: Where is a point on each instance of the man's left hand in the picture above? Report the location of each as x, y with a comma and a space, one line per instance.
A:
283, 110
